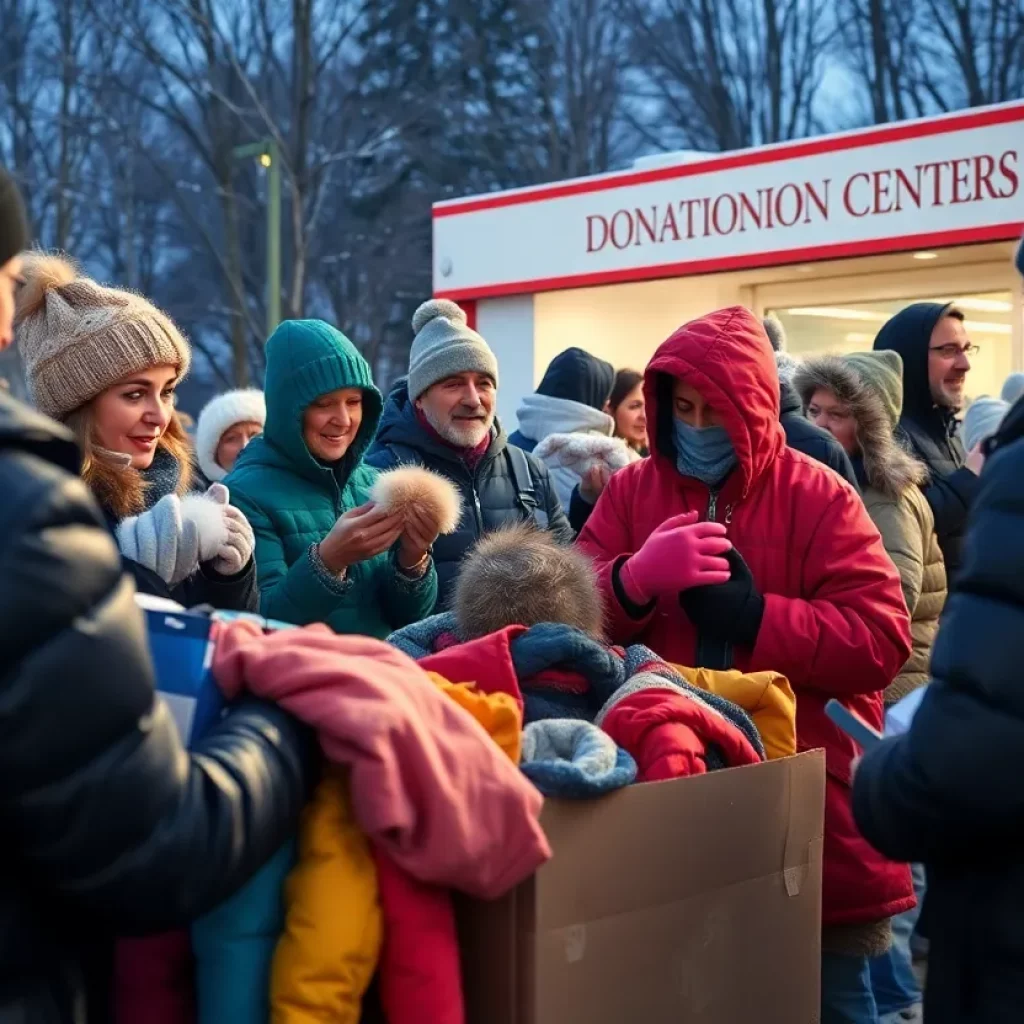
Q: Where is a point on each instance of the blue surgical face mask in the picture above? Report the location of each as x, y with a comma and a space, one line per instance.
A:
705, 453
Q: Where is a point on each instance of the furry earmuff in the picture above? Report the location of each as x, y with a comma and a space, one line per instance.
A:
520, 575
406, 489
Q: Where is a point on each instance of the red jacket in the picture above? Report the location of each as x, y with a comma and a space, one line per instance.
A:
835, 622
670, 733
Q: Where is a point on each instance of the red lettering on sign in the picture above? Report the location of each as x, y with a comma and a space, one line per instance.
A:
620, 217
591, 219
984, 168
848, 200
669, 222
642, 222
869, 193
716, 209
960, 181
797, 205
1008, 166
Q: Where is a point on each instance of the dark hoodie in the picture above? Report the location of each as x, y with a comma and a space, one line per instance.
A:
933, 433
488, 488
573, 376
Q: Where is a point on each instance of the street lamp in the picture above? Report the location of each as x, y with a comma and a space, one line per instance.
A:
268, 156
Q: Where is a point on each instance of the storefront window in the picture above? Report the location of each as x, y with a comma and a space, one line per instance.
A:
852, 326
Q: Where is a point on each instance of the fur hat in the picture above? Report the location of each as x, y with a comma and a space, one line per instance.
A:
776, 333
521, 576
445, 345
77, 337
246, 405
982, 420
405, 489
858, 383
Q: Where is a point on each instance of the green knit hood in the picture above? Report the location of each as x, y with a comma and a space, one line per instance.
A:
306, 359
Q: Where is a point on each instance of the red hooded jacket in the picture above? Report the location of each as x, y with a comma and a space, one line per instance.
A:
835, 622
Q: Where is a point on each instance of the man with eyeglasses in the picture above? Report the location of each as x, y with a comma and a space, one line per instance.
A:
936, 352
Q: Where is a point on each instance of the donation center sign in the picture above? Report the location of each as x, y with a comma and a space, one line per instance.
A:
945, 181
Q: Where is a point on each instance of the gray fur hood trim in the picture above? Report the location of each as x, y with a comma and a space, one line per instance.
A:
889, 468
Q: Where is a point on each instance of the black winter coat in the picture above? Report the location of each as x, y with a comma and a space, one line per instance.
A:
490, 497
931, 433
806, 437
106, 822
949, 793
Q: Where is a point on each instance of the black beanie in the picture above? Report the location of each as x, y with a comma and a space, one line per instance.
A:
13, 227
580, 377
1020, 257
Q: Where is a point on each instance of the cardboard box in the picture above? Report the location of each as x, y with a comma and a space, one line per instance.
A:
696, 901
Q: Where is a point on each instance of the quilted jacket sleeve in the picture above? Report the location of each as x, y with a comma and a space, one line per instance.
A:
80, 742
607, 538
849, 632
904, 544
295, 593
949, 789
407, 600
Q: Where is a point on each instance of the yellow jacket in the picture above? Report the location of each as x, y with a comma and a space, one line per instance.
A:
328, 952
498, 713
766, 696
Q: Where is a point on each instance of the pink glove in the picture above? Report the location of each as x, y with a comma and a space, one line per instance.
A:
680, 554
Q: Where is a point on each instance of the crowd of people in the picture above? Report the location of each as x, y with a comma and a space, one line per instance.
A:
729, 508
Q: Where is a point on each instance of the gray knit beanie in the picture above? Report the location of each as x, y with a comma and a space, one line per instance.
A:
77, 337
445, 345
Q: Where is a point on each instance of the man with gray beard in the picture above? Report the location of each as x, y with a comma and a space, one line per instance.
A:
442, 417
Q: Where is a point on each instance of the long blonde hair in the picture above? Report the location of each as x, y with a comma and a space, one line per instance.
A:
121, 490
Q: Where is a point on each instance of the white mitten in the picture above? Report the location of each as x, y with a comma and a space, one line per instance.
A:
237, 541
162, 540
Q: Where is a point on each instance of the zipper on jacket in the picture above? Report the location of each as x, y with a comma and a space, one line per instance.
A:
714, 654
472, 474
479, 510
713, 509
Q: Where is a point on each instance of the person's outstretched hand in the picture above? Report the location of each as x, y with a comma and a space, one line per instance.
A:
680, 554
418, 536
359, 534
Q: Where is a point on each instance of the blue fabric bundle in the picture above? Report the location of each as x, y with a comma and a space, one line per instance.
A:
574, 760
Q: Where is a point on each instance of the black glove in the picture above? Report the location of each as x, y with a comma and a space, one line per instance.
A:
727, 611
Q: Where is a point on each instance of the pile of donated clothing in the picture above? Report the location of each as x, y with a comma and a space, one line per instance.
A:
439, 748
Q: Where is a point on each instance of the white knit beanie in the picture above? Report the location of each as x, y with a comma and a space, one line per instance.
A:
982, 420
247, 405
445, 345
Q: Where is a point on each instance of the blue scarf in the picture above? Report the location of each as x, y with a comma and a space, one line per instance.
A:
704, 453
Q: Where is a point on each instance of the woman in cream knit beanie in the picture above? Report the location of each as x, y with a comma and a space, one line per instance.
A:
106, 362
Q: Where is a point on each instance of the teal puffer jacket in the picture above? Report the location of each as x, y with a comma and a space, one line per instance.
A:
292, 499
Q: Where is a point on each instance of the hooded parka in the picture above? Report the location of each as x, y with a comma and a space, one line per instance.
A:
890, 478
834, 623
932, 433
292, 499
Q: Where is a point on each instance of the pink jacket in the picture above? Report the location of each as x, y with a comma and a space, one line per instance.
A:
429, 787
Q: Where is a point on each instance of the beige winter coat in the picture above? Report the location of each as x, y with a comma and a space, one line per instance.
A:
907, 527
894, 500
